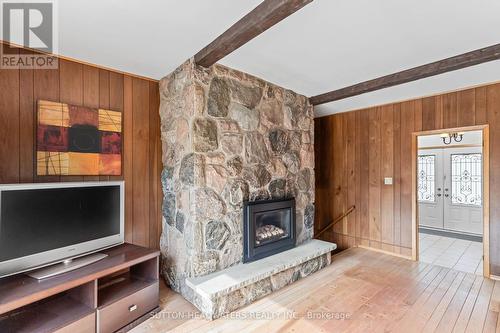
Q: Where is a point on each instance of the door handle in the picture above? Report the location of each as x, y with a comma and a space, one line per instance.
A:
447, 195
439, 188
439, 194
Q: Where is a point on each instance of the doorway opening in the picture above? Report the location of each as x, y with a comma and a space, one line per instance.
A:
451, 201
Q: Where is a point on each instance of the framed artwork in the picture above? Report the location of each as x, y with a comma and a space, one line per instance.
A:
79, 141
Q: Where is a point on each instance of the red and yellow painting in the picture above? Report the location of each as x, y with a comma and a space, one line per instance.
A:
78, 141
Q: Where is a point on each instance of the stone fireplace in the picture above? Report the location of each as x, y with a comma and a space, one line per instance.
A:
268, 228
228, 138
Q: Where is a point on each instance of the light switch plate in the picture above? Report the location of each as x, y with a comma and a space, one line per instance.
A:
388, 180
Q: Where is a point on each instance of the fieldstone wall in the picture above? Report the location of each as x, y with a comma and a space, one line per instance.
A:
227, 137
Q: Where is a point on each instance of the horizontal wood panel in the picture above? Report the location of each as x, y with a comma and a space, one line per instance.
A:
81, 84
383, 149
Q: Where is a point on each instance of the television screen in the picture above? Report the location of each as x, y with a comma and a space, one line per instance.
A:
37, 220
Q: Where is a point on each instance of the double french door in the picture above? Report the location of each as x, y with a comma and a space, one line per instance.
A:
450, 189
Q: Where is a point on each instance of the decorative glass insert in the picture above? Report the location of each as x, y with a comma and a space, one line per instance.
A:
466, 179
426, 178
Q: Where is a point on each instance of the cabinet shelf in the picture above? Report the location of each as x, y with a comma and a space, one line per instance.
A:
123, 286
45, 316
93, 298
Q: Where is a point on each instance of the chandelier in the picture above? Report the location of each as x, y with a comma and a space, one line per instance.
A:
447, 137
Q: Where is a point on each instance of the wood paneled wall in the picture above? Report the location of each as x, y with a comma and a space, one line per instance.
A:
356, 150
79, 84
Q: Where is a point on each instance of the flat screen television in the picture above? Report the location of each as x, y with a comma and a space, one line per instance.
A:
44, 224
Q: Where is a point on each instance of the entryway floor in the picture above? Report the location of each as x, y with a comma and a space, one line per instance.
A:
458, 254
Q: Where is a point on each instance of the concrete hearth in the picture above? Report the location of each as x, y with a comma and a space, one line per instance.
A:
219, 293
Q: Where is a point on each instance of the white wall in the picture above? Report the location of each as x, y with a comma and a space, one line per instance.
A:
472, 137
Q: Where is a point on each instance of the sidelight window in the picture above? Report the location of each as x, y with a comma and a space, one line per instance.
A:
426, 178
466, 179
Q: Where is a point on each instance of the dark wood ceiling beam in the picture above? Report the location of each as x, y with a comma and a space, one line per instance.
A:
468, 59
261, 18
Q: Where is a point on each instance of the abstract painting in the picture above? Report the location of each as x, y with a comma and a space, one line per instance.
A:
78, 141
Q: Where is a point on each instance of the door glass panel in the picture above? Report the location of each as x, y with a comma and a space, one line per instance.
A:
466, 179
426, 178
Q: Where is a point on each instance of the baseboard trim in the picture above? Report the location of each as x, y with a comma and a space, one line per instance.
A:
385, 252
451, 234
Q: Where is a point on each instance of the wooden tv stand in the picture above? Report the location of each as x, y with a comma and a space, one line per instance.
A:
113, 294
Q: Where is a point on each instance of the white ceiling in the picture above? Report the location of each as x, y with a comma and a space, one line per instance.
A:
144, 37
325, 46
332, 44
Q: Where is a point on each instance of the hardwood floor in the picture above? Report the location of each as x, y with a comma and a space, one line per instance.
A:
361, 291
